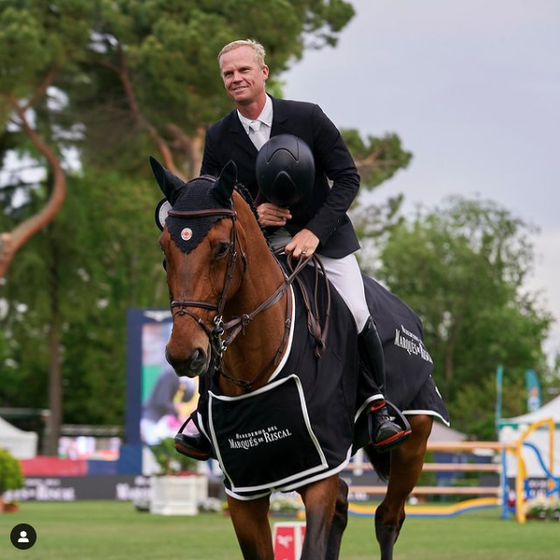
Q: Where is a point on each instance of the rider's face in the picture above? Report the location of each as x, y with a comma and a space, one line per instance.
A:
244, 78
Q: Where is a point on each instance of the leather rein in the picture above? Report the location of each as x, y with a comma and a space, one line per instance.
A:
221, 334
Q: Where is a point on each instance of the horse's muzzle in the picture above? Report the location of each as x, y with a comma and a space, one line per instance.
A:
196, 364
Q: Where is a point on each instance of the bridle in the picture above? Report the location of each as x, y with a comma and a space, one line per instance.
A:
216, 331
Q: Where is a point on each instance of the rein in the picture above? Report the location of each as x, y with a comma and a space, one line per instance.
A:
313, 322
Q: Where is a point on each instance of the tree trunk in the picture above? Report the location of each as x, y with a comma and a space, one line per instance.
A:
197, 148
11, 242
55, 388
55, 366
191, 146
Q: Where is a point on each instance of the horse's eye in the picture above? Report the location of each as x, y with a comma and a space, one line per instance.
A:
222, 250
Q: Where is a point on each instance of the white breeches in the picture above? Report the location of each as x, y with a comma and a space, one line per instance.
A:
346, 277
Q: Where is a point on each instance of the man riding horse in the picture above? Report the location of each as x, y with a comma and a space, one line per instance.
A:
318, 222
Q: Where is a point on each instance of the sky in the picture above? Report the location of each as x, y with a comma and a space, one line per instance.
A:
473, 91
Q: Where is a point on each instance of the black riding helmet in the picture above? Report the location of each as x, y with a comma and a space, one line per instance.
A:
285, 170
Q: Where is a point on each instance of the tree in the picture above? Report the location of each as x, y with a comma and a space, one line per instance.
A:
462, 267
152, 69
377, 160
121, 68
96, 260
37, 38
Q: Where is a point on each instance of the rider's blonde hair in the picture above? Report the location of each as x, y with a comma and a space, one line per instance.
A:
258, 49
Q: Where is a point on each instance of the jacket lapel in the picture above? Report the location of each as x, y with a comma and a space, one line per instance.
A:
280, 120
240, 137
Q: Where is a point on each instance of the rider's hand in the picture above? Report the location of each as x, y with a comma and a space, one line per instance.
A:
272, 215
303, 244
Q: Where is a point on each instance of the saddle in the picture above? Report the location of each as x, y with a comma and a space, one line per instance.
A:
318, 309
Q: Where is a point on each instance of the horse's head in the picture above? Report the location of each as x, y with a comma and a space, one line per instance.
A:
200, 243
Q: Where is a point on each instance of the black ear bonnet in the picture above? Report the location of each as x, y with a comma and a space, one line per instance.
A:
187, 233
202, 193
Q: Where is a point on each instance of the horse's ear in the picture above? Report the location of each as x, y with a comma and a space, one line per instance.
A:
223, 187
169, 184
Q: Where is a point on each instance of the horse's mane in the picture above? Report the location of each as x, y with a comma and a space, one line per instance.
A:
243, 191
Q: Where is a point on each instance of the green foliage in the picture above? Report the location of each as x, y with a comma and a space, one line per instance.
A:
377, 159
11, 476
96, 260
543, 509
36, 35
155, 63
169, 460
462, 268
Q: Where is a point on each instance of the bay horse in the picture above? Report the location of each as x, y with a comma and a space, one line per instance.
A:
233, 312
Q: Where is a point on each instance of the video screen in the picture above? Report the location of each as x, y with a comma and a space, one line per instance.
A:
167, 400
158, 401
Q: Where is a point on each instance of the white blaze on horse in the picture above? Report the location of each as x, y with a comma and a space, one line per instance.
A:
279, 416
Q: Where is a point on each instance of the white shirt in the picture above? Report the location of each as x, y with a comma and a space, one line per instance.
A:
259, 129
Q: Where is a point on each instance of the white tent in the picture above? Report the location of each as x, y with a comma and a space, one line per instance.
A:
440, 432
511, 429
549, 410
21, 444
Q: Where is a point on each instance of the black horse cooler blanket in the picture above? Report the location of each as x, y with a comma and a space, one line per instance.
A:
305, 424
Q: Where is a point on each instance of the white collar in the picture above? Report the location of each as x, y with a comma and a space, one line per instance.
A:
265, 117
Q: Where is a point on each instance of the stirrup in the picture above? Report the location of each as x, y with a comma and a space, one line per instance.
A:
194, 446
398, 438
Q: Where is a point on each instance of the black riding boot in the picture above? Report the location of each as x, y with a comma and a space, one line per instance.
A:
385, 434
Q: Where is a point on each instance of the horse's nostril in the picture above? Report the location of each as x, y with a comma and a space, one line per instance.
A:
198, 359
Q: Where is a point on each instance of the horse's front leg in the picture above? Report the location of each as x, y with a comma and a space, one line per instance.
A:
406, 465
250, 521
320, 500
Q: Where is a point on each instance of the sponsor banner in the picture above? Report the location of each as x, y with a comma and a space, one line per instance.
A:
73, 488
533, 390
288, 540
534, 487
